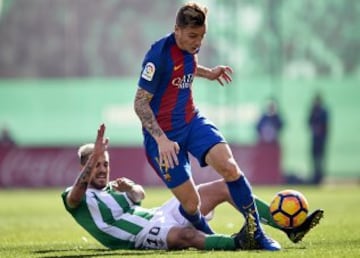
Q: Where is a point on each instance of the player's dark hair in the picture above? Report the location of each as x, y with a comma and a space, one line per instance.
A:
191, 15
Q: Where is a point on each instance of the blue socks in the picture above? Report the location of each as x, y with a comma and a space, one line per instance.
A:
197, 220
241, 193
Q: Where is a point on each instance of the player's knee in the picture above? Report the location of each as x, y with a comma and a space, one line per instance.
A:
188, 234
230, 170
191, 207
180, 238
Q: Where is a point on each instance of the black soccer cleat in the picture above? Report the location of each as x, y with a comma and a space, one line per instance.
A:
298, 233
245, 239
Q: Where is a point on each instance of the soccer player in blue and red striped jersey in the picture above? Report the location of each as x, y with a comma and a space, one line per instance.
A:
173, 127
110, 211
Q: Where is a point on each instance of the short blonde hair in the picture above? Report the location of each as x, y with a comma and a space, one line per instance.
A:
85, 151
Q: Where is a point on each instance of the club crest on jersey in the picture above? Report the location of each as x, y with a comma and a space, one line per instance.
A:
184, 82
148, 72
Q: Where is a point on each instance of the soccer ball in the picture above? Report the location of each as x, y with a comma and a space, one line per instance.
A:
289, 208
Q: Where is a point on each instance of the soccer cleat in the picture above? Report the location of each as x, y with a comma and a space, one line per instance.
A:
264, 242
245, 238
298, 233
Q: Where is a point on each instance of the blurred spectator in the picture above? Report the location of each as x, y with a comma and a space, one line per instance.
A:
270, 124
318, 123
6, 140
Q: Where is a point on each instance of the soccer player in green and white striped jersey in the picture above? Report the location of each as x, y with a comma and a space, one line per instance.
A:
111, 213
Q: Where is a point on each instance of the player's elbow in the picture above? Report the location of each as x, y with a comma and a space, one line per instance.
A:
136, 108
136, 194
72, 200
72, 203
139, 193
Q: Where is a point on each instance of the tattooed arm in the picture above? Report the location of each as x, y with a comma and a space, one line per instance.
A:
80, 185
144, 112
168, 149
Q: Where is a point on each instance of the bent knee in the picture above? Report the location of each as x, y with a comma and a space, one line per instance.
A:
180, 238
188, 234
229, 170
191, 206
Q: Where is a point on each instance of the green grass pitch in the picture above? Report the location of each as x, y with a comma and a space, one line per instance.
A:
33, 223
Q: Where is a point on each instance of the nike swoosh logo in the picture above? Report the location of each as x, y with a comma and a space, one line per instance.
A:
177, 67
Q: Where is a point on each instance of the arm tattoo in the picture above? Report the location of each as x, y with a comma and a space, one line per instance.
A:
144, 112
83, 179
80, 185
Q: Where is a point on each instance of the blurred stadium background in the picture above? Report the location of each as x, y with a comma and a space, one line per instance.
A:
66, 66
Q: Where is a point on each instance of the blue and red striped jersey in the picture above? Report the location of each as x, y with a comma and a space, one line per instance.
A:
168, 73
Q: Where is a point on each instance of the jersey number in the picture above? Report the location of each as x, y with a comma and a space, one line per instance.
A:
154, 231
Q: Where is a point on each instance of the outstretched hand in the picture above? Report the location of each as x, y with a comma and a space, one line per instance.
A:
101, 143
221, 73
81, 183
123, 184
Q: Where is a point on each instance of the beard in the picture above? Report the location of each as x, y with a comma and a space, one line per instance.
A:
98, 184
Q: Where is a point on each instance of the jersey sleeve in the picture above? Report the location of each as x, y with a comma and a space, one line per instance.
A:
64, 196
151, 71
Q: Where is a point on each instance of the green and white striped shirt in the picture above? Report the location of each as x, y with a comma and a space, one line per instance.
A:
110, 217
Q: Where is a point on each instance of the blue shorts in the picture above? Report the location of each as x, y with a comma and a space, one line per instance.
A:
197, 138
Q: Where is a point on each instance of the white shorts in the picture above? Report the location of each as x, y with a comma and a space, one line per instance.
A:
166, 217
